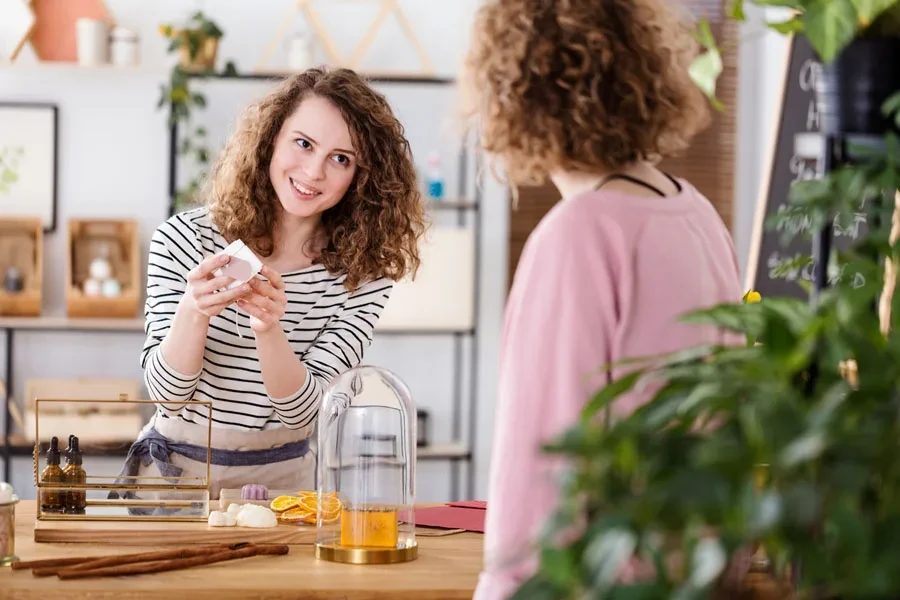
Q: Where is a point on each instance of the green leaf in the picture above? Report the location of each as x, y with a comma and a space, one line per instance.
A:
705, 71
891, 107
9, 177
637, 591
609, 393
804, 449
736, 11
558, 565
708, 562
869, 10
199, 100
830, 25
607, 553
704, 35
791, 26
537, 588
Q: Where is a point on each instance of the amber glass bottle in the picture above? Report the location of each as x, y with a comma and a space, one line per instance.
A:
74, 473
52, 500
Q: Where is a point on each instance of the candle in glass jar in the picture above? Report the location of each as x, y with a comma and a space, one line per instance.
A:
8, 501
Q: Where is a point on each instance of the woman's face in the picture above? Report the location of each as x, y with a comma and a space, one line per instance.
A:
313, 161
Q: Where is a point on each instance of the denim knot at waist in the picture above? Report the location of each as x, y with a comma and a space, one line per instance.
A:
156, 448
153, 447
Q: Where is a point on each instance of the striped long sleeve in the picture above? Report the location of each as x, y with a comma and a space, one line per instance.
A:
340, 346
171, 257
328, 328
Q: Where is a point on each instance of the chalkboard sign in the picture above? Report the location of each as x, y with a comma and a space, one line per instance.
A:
797, 114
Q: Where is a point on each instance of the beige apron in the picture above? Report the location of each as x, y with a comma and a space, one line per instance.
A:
292, 474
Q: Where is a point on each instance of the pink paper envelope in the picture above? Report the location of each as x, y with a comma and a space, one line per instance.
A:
451, 517
470, 504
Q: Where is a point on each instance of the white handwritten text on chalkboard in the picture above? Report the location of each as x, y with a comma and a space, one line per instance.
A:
776, 265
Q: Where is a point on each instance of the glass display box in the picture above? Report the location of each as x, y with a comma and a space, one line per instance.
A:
367, 467
69, 487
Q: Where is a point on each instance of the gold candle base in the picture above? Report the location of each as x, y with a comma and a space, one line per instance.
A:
366, 556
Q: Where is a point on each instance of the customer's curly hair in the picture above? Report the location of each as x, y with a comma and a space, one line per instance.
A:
374, 230
581, 84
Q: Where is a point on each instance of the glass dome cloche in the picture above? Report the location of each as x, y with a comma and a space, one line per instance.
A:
367, 464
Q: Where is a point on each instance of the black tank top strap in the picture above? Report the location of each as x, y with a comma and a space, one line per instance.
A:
637, 181
674, 182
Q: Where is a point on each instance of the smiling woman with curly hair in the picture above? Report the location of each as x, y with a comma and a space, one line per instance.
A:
318, 182
589, 94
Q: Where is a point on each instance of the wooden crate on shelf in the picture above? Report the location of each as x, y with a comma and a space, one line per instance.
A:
93, 422
117, 242
22, 248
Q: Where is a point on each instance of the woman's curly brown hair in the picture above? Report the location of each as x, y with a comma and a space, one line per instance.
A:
581, 84
374, 230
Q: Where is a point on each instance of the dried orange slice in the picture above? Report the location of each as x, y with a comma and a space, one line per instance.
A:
295, 515
331, 504
310, 503
332, 518
283, 503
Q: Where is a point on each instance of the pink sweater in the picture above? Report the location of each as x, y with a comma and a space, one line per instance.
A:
603, 277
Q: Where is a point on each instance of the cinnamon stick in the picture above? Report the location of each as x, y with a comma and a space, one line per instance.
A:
124, 559
175, 564
50, 562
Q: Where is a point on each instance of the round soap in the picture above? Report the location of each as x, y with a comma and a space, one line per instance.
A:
100, 269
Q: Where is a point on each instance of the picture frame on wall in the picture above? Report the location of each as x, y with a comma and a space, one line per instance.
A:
28, 161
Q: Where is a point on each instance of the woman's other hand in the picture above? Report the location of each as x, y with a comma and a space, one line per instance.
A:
206, 293
267, 301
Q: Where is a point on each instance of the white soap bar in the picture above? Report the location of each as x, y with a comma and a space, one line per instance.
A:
234, 509
243, 266
217, 518
252, 515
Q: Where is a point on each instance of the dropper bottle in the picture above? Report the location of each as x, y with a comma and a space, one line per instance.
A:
51, 500
74, 474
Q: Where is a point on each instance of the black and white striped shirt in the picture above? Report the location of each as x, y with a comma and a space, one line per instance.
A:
328, 328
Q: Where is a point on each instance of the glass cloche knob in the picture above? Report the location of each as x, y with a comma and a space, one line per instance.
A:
367, 464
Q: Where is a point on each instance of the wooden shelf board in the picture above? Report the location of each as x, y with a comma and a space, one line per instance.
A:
67, 324
19, 446
376, 77
51, 65
451, 204
443, 451
161, 70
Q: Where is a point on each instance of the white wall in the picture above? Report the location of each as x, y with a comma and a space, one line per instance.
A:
113, 162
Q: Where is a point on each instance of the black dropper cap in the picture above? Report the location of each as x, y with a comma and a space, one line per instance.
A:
68, 451
53, 452
75, 454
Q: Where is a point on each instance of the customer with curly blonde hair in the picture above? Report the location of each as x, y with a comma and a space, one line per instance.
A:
318, 180
589, 94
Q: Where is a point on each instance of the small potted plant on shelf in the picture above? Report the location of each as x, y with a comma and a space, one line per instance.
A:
197, 45
197, 42
857, 41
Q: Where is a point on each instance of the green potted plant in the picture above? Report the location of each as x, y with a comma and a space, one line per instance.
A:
858, 42
197, 42
197, 46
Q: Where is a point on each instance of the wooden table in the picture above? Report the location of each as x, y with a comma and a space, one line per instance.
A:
447, 567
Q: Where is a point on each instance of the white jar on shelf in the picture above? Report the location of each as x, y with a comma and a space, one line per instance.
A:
123, 47
300, 53
91, 36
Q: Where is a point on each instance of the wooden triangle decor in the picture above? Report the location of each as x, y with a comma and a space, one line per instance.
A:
386, 8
